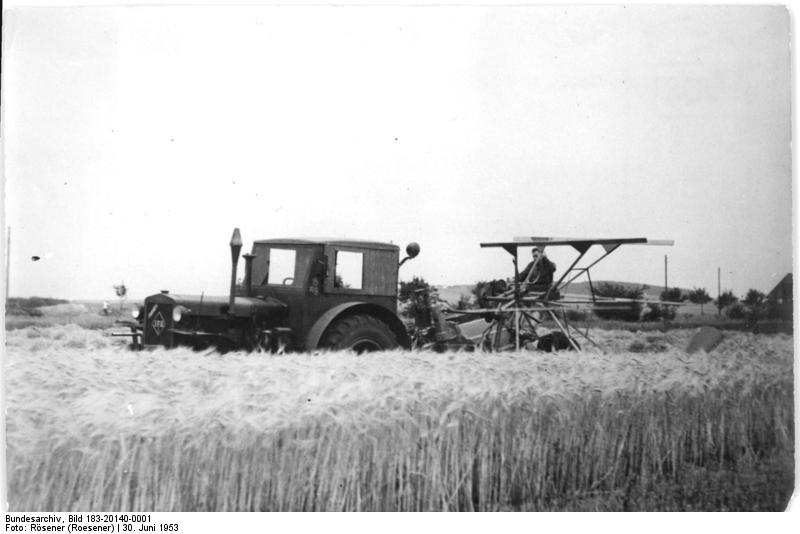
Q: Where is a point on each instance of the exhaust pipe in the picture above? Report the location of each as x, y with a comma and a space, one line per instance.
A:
248, 274
236, 247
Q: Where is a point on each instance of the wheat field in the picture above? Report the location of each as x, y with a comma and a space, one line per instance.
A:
91, 426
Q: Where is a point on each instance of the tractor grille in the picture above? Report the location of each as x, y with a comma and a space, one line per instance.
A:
157, 323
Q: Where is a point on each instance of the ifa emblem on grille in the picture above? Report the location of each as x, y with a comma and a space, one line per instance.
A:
159, 323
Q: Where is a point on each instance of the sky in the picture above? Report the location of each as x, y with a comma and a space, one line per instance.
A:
136, 139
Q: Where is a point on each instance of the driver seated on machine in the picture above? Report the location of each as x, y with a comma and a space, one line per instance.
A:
538, 275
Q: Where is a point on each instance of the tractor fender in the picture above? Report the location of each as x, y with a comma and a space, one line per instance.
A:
350, 308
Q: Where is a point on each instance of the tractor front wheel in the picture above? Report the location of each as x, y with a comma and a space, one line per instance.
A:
359, 333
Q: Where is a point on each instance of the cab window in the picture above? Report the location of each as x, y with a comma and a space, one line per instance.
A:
281, 267
349, 270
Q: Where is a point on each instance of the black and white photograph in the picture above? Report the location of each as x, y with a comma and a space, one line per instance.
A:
387, 258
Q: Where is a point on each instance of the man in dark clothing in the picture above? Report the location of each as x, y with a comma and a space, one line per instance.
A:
539, 273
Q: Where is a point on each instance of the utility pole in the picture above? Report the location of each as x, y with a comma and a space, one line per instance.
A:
719, 293
664, 295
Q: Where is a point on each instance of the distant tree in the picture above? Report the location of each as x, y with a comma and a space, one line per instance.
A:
488, 288
754, 298
756, 303
630, 311
673, 295
737, 310
699, 296
408, 290
726, 299
658, 312
417, 295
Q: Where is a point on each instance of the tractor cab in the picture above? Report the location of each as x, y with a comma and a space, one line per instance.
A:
313, 276
324, 267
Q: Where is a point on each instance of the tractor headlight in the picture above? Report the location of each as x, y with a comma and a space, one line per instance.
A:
177, 313
137, 312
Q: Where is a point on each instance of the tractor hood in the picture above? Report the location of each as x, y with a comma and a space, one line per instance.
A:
218, 306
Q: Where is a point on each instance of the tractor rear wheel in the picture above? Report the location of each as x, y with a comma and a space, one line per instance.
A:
359, 333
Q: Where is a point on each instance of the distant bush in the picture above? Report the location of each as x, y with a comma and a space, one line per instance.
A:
754, 298
659, 312
29, 307
726, 299
90, 321
33, 302
673, 295
756, 303
624, 311
736, 311
575, 315
25, 312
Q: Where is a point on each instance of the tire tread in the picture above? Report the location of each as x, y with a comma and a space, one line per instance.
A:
340, 328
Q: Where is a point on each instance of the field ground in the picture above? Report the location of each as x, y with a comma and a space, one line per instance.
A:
92, 426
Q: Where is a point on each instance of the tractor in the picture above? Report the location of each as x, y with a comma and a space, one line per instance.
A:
296, 295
